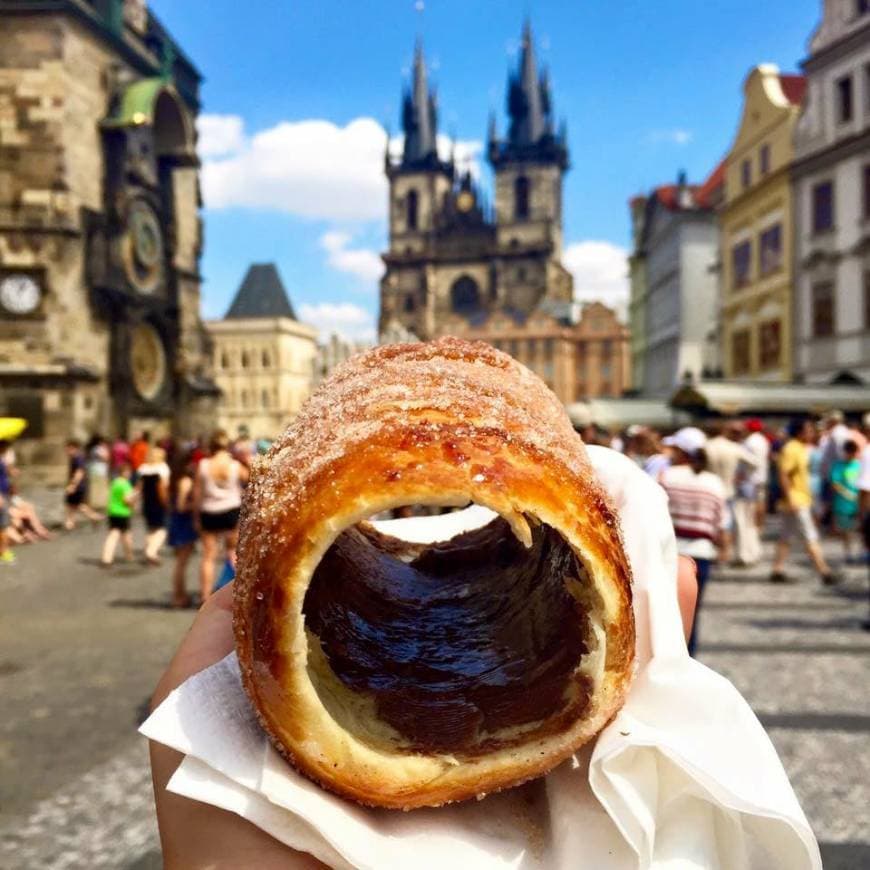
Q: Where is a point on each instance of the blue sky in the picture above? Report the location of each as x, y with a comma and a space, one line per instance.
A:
296, 93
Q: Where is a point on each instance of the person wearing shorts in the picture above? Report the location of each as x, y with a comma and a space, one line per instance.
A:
119, 510
796, 504
217, 499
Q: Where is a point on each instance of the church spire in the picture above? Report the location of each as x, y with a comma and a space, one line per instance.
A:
525, 97
419, 117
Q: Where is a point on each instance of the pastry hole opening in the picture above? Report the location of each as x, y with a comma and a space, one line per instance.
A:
457, 647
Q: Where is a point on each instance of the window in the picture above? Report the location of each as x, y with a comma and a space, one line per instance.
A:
521, 198
740, 352
823, 207
770, 347
771, 249
746, 173
764, 159
225, 360
265, 398
265, 359
412, 205
844, 99
464, 296
741, 263
867, 192
410, 304
521, 273
512, 348
823, 309
246, 360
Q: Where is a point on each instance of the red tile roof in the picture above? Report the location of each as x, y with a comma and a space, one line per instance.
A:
794, 87
714, 181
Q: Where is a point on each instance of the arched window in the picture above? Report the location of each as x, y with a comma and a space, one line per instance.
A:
521, 198
465, 296
266, 362
412, 205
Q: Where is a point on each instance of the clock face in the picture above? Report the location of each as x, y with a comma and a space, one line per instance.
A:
19, 294
465, 201
144, 247
147, 361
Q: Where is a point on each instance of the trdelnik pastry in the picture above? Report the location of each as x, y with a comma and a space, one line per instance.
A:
405, 675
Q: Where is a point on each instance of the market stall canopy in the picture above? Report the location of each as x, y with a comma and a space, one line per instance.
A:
11, 427
621, 413
742, 397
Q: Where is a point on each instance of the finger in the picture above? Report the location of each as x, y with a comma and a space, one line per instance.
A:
209, 639
687, 591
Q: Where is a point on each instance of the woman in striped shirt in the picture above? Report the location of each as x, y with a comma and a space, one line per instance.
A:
696, 500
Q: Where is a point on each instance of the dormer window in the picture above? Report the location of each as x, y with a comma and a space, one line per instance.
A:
412, 208
521, 198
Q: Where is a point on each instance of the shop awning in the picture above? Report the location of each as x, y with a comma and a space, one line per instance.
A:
621, 413
730, 398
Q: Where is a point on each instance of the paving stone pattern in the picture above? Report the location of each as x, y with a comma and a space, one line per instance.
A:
81, 649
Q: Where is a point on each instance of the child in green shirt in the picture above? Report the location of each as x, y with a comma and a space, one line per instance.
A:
844, 481
122, 496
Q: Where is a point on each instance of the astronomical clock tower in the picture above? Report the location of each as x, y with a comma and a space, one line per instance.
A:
100, 234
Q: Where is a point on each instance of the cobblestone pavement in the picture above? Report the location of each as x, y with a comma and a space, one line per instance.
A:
81, 649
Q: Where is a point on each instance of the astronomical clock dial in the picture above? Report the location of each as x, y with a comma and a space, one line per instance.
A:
147, 361
144, 247
465, 201
20, 294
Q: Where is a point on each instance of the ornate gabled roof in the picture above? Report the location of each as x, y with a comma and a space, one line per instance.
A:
261, 294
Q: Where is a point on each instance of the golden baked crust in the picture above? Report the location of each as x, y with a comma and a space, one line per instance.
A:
444, 422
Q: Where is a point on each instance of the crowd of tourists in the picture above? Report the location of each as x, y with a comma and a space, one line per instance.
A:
186, 493
725, 481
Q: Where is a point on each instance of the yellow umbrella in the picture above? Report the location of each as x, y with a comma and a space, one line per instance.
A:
11, 427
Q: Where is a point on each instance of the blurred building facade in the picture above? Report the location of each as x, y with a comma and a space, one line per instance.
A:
757, 229
456, 265
832, 201
336, 349
100, 234
577, 357
263, 357
674, 283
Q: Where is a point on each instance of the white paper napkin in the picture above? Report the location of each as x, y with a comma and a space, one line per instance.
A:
684, 777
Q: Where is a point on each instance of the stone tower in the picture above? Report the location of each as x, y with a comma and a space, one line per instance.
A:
450, 254
100, 237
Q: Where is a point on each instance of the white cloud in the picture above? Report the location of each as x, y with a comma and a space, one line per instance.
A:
350, 321
600, 271
676, 136
364, 263
219, 135
311, 168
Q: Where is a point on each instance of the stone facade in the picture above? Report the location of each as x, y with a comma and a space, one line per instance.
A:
637, 282
585, 358
451, 258
832, 239
99, 228
757, 230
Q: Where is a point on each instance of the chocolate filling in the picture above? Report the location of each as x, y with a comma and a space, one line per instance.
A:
454, 641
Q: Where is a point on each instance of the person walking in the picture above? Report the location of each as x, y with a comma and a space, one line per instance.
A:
75, 494
757, 443
7, 556
119, 510
845, 476
154, 487
864, 487
796, 504
182, 533
139, 448
696, 501
119, 454
217, 500
97, 467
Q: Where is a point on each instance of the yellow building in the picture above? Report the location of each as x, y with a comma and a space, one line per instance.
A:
756, 230
264, 358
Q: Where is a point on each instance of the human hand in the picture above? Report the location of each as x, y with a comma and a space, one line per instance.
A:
193, 834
